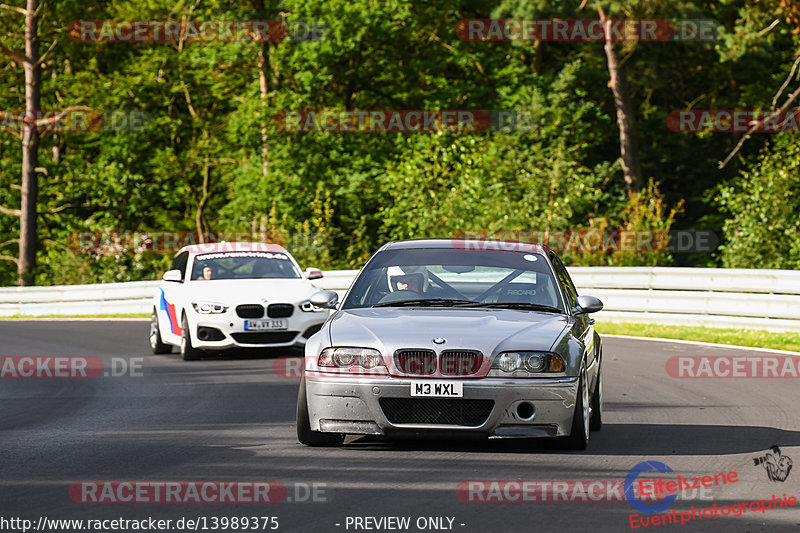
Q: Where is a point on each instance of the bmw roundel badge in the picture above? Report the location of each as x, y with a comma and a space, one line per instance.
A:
439, 340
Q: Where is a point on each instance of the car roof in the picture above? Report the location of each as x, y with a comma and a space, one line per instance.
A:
221, 247
482, 244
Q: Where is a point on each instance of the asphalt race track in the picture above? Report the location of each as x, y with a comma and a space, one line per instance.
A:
232, 419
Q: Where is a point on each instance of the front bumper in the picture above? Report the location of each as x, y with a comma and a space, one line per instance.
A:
301, 325
353, 405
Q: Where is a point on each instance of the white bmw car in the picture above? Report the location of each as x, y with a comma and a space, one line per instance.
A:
247, 295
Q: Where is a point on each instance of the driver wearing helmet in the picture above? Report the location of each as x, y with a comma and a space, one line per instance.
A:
207, 272
406, 283
408, 278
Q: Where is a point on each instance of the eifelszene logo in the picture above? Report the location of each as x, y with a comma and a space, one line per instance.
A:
630, 485
665, 491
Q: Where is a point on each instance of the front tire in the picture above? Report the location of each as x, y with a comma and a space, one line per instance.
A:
156, 343
305, 434
596, 421
579, 436
188, 352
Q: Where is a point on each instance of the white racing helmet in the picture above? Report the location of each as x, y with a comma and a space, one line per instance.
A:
420, 272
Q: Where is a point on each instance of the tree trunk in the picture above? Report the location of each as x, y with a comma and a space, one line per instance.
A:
198, 217
264, 9
30, 151
263, 76
631, 170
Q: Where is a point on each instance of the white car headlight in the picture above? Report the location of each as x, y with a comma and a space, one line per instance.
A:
521, 364
209, 308
308, 307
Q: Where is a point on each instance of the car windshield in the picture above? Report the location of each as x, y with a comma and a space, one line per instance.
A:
455, 278
243, 265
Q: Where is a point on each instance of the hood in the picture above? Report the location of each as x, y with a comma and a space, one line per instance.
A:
240, 291
487, 330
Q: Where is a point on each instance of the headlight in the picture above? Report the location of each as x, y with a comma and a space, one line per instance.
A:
209, 308
522, 364
308, 307
351, 358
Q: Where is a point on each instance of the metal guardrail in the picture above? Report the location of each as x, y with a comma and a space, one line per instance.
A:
737, 298
98, 299
734, 298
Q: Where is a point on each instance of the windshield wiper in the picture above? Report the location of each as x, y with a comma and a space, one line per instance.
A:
426, 302
518, 305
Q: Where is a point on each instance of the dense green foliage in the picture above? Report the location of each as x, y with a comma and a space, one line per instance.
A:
764, 208
334, 197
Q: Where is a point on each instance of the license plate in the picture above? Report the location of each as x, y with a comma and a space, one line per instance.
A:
257, 325
437, 389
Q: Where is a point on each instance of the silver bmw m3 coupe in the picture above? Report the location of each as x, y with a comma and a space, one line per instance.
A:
465, 337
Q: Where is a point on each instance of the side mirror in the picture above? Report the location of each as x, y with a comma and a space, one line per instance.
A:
173, 275
313, 273
326, 299
587, 304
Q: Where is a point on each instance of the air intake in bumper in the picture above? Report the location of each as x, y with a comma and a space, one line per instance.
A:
444, 411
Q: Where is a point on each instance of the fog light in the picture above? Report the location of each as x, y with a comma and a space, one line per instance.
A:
525, 410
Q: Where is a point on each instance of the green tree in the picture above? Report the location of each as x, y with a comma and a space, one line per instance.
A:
763, 205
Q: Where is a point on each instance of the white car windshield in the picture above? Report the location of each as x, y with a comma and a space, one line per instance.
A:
455, 277
243, 265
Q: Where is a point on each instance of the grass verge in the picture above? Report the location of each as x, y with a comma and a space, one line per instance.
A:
755, 338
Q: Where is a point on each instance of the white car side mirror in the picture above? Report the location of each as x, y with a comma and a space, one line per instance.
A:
313, 273
173, 275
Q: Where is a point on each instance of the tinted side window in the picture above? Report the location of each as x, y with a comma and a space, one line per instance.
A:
563, 277
179, 263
